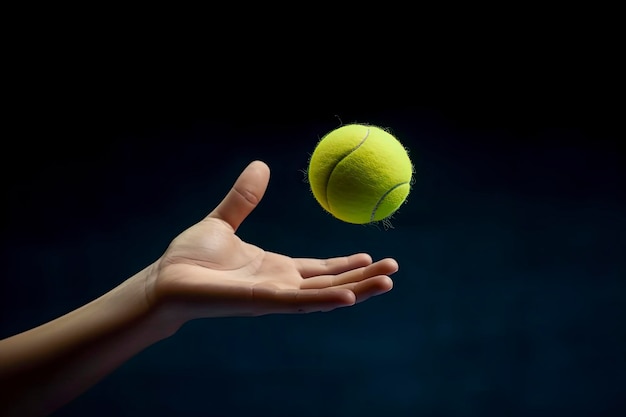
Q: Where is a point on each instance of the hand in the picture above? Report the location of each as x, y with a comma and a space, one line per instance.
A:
208, 271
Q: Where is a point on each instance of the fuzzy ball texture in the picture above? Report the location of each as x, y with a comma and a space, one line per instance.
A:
360, 174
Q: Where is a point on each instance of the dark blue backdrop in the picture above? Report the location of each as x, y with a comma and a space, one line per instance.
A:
510, 295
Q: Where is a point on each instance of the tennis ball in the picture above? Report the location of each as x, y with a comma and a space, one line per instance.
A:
360, 174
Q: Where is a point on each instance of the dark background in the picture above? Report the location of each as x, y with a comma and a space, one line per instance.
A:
510, 296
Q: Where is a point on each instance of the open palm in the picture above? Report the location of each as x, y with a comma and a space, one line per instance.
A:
208, 271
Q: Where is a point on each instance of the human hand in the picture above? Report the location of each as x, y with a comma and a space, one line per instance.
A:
208, 271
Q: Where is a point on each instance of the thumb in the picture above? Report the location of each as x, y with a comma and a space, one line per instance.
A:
244, 196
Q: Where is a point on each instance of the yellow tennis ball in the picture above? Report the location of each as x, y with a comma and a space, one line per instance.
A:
360, 174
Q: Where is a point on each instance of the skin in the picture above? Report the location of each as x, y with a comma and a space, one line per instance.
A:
207, 271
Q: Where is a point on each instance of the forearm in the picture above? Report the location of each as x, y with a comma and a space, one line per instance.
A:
46, 367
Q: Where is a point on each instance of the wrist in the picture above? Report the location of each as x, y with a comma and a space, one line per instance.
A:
161, 318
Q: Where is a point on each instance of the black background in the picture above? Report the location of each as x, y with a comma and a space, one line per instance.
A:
510, 294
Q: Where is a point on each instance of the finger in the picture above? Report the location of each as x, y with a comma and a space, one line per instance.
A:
313, 267
371, 287
386, 266
244, 196
272, 301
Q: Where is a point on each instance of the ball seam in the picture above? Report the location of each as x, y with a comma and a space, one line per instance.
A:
339, 161
379, 202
